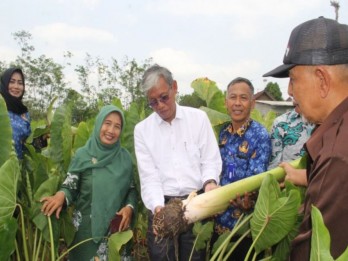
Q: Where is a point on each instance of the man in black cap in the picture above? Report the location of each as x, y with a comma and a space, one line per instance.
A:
316, 61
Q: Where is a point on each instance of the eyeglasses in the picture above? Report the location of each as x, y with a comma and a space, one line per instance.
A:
153, 103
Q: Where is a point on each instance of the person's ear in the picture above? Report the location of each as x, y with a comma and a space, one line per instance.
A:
323, 81
175, 86
253, 101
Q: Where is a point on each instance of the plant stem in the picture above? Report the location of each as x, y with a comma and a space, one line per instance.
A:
25, 246
51, 237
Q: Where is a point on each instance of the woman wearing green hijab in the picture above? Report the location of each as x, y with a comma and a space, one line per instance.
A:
99, 183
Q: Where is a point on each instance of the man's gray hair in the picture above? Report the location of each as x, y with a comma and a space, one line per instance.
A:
152, 75
239, 80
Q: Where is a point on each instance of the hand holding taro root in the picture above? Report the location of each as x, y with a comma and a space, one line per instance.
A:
177, 215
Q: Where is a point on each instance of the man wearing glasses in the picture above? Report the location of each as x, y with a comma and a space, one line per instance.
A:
177, 153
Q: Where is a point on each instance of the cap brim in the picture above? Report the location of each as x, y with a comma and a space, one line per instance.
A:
281, 71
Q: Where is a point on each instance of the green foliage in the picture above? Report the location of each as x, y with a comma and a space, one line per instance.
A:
274, 90
6, 133
266, 120
191, 100
61, 138
203, 234
116, 241
8, 230
274, 216
321, 241
9, 173
210, 93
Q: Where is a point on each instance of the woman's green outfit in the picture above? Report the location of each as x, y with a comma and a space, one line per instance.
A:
99, 183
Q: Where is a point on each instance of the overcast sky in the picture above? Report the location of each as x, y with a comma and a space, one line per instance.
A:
218, 39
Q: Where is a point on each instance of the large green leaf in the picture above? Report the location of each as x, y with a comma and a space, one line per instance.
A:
9, 173
203, 234
116, 241
82, 134
38, 166
216, 118
282, 250
210, 93
8, 232
61, 137
133, 115
320, 244
6, 133
274, 216
49, 115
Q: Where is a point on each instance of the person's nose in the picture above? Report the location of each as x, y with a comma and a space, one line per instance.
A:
290, 92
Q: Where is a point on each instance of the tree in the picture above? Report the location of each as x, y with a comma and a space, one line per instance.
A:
44, 77
274, 90
335, 4
115, 80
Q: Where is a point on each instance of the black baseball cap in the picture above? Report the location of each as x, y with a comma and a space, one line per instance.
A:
319, 41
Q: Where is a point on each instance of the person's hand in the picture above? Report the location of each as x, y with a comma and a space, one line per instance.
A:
246, 202
296, 176
210, 186
52, 204
157, 209
126, 213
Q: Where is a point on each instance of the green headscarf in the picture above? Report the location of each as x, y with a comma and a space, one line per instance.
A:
112, 174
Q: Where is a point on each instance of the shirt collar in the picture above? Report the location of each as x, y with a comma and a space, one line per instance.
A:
240, 132
314, 144
178, 115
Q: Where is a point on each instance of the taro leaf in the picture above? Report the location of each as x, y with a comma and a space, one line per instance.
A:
133, 115
8, 232
41, 222
116, 241
274, 216
320, 242
48, 188
9, 173
216, 118
210, 93
61, 137
117, 102
282, 250
49, 115
203, 234
40, 130
38, 166
82, 135
6, 133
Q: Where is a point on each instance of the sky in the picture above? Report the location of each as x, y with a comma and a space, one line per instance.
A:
218, 39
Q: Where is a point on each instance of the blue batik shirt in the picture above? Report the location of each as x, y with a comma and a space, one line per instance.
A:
20, 130
244, 153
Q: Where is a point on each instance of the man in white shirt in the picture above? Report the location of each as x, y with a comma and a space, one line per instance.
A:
177, 153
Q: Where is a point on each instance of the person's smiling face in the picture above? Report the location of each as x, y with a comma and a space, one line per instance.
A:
16, 85
239, 103
111, 129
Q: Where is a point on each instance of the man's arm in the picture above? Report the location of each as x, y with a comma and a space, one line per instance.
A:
151, 186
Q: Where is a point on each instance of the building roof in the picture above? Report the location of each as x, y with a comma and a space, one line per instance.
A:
264, 92
277, 103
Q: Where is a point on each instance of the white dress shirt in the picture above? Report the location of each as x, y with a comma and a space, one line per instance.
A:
175, 158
